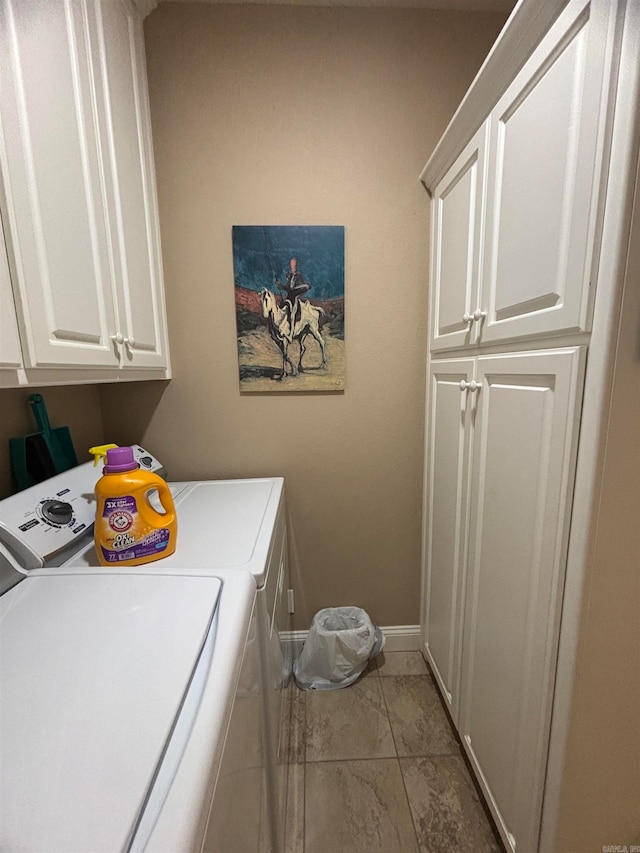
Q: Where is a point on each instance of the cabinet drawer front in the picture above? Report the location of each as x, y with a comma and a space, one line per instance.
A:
546, 141
523, 458
445, 527
457, 232
52, 182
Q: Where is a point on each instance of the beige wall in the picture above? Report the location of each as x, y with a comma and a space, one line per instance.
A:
77, 407
288, 115
600, 803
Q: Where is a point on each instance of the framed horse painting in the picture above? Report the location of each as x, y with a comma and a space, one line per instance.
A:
289, 295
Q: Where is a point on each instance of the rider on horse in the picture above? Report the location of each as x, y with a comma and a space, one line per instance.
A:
294, 287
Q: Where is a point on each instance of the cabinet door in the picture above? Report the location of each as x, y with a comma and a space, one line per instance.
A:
546, 149
121, 82
10, 350
445, 523
457, 211
523, 457
52, 181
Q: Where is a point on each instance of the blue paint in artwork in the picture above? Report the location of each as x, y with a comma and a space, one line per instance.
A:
262, 253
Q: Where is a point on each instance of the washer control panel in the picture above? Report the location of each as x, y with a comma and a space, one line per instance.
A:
43, 520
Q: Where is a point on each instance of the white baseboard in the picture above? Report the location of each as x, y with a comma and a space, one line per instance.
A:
398, 638
402, 638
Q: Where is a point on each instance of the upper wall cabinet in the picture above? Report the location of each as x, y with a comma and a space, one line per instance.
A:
52, 180
458, 205
121, 82
535, 212
79, 187
10, 352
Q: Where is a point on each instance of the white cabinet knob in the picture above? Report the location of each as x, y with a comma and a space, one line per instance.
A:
473, 385
129, 342
475, 317
117, 338
463, 385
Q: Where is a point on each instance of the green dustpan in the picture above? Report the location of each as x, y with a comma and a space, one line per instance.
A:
41, 455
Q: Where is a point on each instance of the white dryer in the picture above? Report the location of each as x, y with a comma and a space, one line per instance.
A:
144, 708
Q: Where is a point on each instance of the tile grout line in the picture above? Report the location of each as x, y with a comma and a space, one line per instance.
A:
404, 786
386, 757
461, 753
378, 675
431, 756
304, 778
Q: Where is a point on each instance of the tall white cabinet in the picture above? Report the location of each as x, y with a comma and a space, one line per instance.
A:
519, 196
10, 351
78, 191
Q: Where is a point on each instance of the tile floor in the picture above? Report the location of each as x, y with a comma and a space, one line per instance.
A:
376, 767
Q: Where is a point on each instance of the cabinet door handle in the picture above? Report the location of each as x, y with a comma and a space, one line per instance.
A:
117, 338
129, 342
469, 386
475, 317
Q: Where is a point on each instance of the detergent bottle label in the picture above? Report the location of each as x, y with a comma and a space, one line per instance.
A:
124, 534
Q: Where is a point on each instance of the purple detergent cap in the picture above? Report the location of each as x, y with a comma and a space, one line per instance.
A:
119, 460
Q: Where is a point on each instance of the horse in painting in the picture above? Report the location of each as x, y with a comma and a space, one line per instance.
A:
292, 323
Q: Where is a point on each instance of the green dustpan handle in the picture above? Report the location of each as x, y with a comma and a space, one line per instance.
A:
18, 454
40, 413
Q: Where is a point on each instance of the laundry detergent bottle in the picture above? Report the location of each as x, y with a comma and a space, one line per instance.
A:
128, 530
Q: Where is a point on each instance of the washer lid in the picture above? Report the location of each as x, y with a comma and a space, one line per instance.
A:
222, 524
94, 669
227, 524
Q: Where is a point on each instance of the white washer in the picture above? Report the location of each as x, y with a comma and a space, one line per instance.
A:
142, 705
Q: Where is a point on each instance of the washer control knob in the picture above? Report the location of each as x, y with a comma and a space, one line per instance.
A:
57, 512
